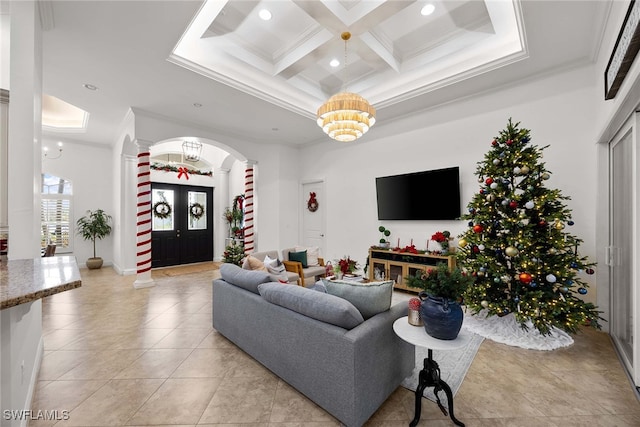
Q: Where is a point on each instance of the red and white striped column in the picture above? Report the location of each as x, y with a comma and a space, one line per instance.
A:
143, 217
249, 231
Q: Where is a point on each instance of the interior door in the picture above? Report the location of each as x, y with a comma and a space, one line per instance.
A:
620, 251
182, 224
313, 216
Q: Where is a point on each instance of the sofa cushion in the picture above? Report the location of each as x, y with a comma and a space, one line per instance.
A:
253, 263
301, 257
313, 252
369, 298
246, 279
323, 307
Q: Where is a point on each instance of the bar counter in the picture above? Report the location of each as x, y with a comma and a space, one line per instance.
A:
27, 280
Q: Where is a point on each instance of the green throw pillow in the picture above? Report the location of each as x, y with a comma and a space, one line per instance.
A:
300, 257
369, 298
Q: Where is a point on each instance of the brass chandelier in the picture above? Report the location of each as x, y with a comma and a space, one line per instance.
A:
346, 116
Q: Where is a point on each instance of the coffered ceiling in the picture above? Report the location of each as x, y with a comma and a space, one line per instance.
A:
217, 65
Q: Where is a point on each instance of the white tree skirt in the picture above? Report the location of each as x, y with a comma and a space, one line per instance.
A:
507, 330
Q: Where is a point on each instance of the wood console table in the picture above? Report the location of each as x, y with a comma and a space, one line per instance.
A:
397, 265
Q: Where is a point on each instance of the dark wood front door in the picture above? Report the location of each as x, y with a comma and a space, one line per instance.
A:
182, 224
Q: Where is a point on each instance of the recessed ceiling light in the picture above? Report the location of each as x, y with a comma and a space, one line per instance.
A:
334, 62
90, 86
264, 14
427, 9
197, 104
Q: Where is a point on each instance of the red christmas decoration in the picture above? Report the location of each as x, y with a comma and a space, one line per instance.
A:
513, 204
494, 142
488, 181
525, 278
478, 228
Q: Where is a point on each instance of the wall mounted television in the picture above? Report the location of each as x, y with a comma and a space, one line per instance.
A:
427, 195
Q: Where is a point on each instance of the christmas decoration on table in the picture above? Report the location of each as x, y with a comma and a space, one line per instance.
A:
346, 265
179, 169
443, 238
312, 203
414, 312
517, 246
196, 210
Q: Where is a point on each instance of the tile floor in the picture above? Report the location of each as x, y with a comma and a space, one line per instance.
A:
115, 355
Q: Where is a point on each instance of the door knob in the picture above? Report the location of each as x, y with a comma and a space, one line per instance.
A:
322, 235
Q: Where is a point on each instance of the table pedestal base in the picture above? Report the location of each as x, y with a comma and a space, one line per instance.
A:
430, 377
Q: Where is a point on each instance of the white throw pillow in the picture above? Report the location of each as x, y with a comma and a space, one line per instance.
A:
313, 253
269, 262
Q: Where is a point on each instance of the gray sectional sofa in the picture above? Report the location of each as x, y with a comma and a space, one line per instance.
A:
317, 342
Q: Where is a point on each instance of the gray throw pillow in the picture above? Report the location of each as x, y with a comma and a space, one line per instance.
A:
323, 307
246, 279
369, 298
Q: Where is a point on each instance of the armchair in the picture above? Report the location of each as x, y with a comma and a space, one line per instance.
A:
311, 271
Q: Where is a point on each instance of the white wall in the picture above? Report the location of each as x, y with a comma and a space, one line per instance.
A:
92, 183
557, 109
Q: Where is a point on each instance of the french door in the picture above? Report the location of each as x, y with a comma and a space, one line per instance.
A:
182, 224
620, 257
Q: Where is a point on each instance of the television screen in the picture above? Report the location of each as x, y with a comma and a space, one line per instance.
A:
428, 195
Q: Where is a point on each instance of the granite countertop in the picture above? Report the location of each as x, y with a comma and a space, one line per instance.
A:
26, 280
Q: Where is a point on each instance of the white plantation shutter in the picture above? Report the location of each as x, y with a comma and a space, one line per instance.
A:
55, 213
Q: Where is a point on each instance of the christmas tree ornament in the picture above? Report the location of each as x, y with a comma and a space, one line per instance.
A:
490, 198
462, 243
481, 247
509, 142
564, 289
589, 271
559, 225
513, 204
511, 251
484, 303
570, 222
553, 251
475, 249
496, 162
533, 284
505, 202
525, 170
545, 176
529, 205
470, 223
582, 291
494, 142
525, 278
478, 228
493, 185
488, 181
516, 170
542, 223
550, 278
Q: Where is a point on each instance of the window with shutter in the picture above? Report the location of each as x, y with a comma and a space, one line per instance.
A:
55, 213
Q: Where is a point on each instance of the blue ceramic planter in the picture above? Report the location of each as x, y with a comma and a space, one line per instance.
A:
442, 318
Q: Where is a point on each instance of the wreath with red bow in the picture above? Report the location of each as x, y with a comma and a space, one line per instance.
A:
312, 204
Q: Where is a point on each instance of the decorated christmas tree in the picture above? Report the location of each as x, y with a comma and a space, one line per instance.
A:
517, 244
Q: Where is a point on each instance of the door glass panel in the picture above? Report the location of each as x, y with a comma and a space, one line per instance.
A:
395, 273
162, 204
621, 246
197, 215
379, 271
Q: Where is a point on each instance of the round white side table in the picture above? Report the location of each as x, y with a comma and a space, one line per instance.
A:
430, 374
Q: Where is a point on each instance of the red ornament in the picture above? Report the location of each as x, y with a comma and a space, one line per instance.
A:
509, 141
542, 223
476, 249
525, 278
488, 181
478, 228
513, 204
494, 142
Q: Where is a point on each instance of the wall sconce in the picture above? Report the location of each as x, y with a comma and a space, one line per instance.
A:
47, 155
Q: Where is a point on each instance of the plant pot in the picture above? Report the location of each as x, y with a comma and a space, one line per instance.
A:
442, 318
94, 263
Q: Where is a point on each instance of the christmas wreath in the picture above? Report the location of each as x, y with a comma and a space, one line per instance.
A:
162, 209
312, 204
196, 210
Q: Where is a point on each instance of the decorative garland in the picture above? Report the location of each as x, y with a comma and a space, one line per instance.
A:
312, 204
172, 168
162, 209
196, 210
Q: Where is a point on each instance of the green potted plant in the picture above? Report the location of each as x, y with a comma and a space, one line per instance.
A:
442, 290
94, 225
384, 243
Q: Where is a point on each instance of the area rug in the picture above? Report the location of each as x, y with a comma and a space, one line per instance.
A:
507, 330
453, 364
185, 269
